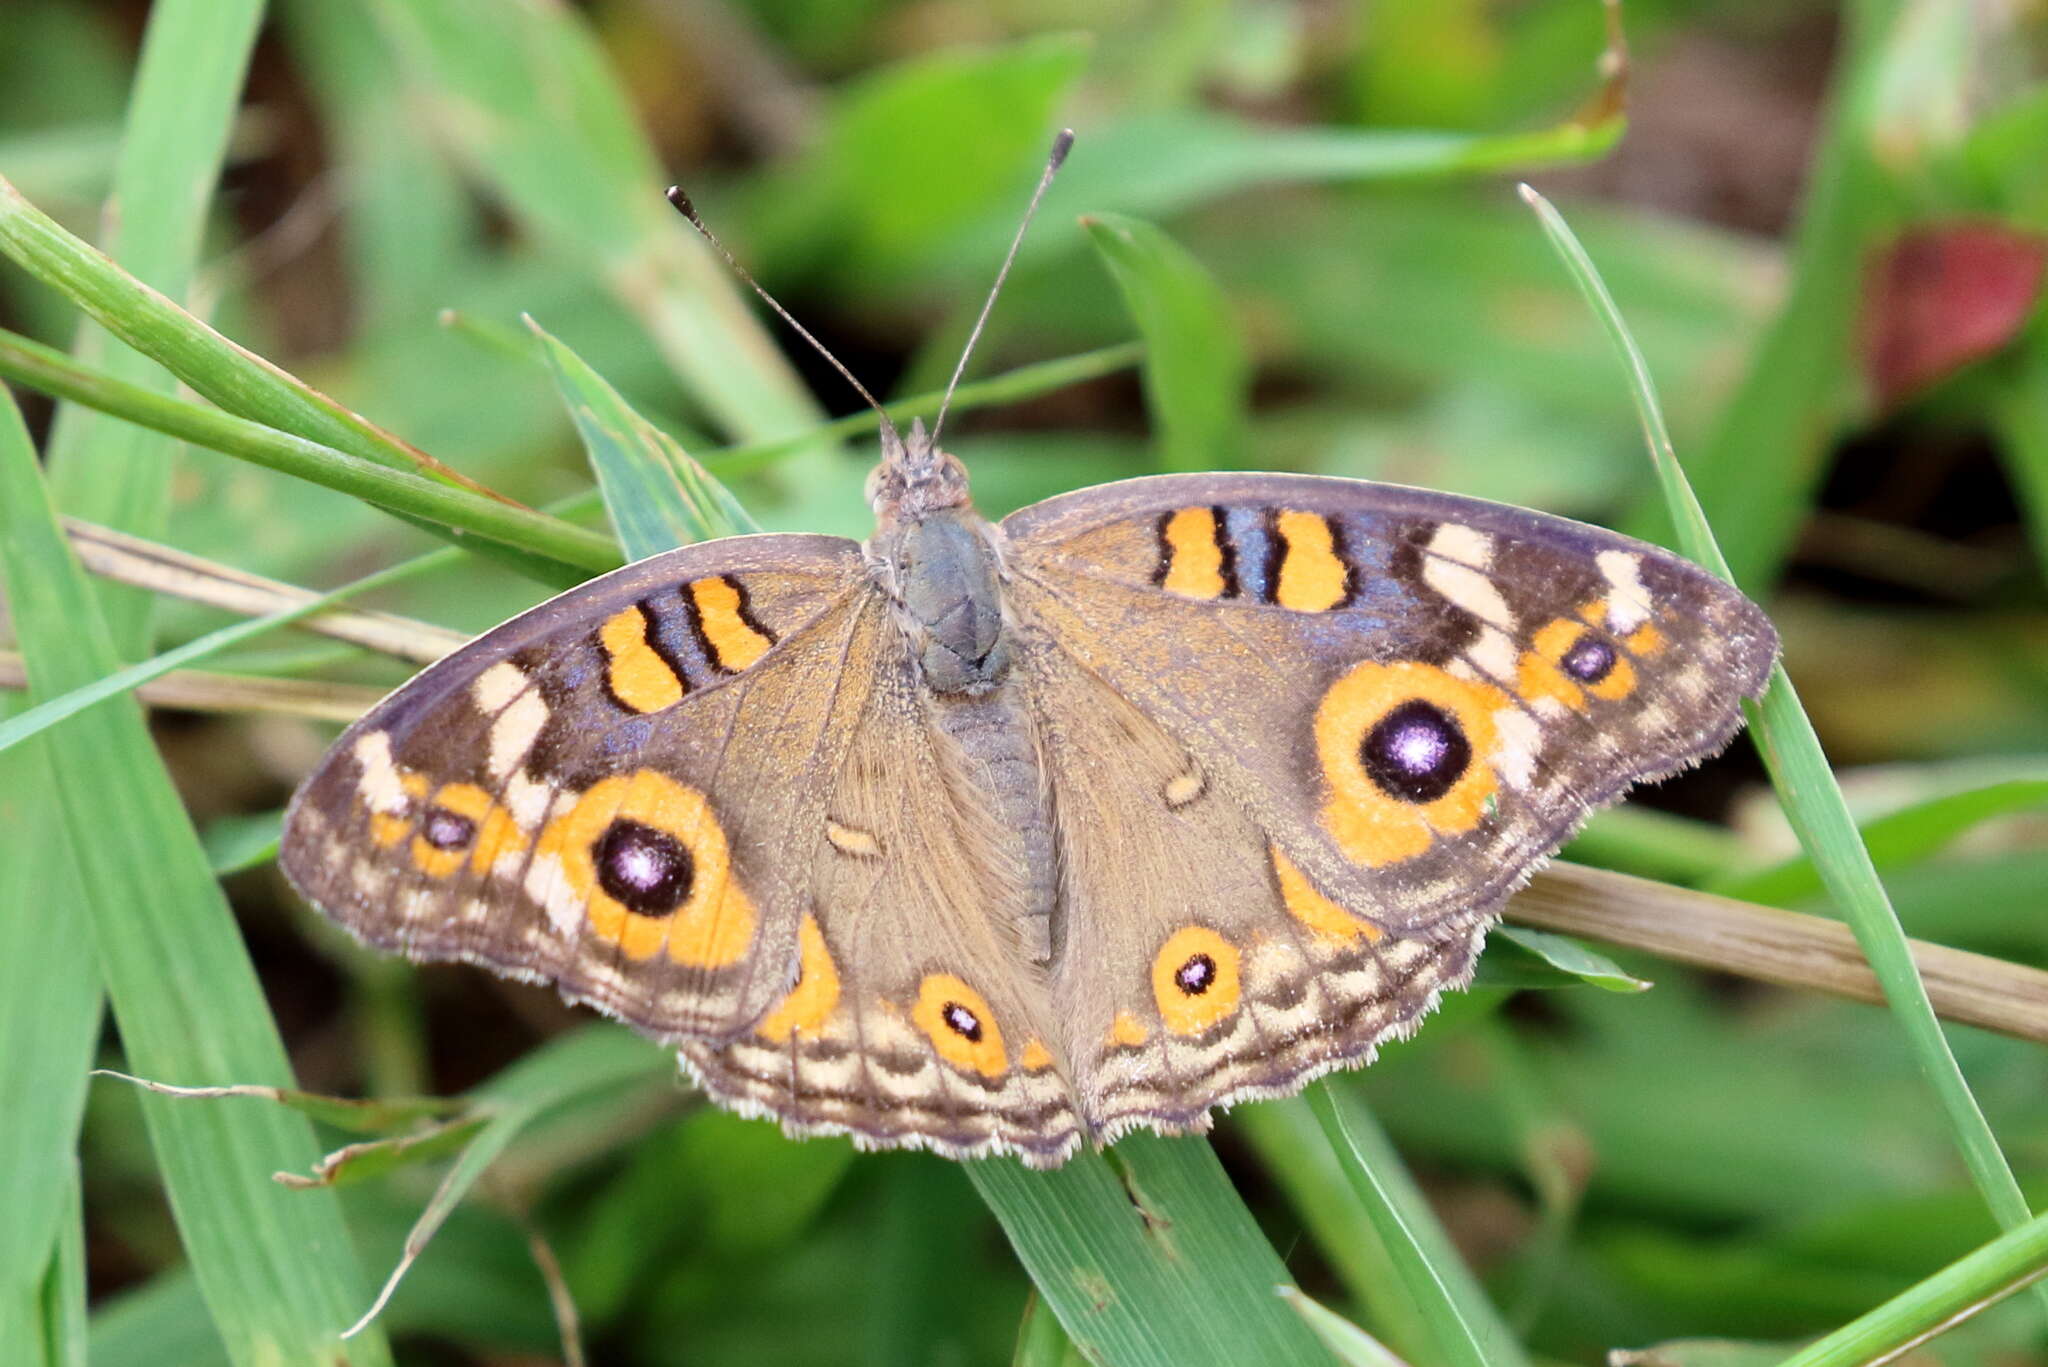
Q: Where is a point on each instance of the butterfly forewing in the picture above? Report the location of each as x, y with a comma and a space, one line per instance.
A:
592, 794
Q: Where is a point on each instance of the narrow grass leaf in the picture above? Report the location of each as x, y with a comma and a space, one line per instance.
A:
1147, 1256
568, 1069
1960, 1291
1559, 961
1296, 1153
658, 497
278, 1275
1350, 1344
188, 84
1463, 1325
372, 1158
228, 374
540, 546
1895, 840
49, 1025
1197, 380
118, 682
236, 844
1157, 164
1759, 469
1805, 784
377, 1115
522, 91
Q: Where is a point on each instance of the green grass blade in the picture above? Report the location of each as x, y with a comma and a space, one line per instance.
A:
1463, 1326
658, 497
231, 376
1895, 840
545, 547
571, 1067
36, 719
1025, 382
195, 56
1806, 785
1147, 1256
523, 93
1350, 1344
1902, 66
1295, 1152
1959, 1291
49, 1024
278, 1276
1197, 379
1562, 962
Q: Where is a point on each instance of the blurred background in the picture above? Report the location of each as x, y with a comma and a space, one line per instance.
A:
1825, 224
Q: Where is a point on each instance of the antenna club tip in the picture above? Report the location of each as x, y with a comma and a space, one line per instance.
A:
676, 195
1062, 143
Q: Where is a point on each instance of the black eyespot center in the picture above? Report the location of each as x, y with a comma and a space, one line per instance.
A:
1589, 660
1416, 752
961, 1021
647, 871
446, 830
1196, 976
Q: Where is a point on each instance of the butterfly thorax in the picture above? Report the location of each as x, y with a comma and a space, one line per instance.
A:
936, 558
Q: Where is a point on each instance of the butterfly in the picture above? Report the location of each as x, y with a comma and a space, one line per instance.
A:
1003, 837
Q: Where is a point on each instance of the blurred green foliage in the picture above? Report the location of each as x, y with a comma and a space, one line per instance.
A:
1306, 208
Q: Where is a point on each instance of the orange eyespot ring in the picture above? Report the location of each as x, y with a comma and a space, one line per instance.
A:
1567, 660
1407, 750
1195, 980
960, 1025
650, 862
811, 1001
462, 825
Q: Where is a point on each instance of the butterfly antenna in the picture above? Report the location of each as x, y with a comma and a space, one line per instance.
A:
681, 200
1060, 147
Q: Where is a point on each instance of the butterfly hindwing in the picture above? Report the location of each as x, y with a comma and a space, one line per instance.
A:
920, 1016
577, 796
1194, 966
1418, 696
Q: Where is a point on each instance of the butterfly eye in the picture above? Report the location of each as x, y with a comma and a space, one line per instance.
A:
1409, 752
643, 858
1195, 980
960, 1025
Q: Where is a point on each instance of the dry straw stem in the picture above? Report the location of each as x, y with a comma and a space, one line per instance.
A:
1775, 946
165, 569
198, 690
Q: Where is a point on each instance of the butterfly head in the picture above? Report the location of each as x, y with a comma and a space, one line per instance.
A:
915, 479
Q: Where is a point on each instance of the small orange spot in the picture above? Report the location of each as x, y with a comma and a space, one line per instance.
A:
734, 642
635, 672
1195, 980
465, 800
1313, 578
811, 1002
1314, 910
1127, 1031
1644, 640
960, 1025
1194, 554
1036, 1058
